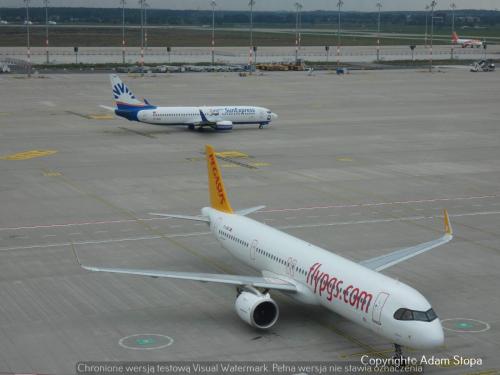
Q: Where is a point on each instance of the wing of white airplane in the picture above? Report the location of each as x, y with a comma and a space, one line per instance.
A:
236, 280
388, 260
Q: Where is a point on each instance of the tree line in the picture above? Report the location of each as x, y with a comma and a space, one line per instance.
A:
230, 18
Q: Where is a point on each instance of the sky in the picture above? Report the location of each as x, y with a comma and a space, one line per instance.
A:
354, 5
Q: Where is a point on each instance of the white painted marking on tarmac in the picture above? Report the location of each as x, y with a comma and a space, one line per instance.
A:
409, 218
312, 217
101, 231
96, 242
290, 217
195, 234
49, 235
175, 226
79, 224
496, 195
75, 234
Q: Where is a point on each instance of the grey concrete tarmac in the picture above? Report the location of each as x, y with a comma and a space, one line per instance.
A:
360, 164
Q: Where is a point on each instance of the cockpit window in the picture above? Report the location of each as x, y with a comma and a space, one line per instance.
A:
407, 314
431, 315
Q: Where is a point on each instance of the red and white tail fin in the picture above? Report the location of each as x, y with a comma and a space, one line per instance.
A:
454, 37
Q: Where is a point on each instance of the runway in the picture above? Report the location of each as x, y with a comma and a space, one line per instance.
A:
360, 164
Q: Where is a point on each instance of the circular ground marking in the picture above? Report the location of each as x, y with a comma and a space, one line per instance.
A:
465, 325
145, 341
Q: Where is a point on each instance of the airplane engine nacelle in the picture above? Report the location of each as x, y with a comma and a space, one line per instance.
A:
223, 125
260, 311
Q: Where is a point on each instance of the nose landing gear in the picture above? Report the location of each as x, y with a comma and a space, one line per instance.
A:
398, 358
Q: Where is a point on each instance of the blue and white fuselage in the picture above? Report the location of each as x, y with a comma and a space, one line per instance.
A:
216, 117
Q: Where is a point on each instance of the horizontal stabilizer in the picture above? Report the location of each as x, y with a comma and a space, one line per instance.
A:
183, 217
248, 211
108, 108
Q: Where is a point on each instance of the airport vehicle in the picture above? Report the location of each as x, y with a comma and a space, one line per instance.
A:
3, 22
483, 66
455, 39
52, 23
311, 275
216, 117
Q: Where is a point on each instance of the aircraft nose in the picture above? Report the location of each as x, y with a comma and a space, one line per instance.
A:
432, 337
437, 336
274, 116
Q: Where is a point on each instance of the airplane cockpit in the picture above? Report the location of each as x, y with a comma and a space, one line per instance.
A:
407, 314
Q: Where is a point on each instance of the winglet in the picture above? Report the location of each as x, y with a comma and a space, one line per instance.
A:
447, 226
217, 191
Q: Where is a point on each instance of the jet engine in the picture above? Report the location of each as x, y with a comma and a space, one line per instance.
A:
258, 310
223, 125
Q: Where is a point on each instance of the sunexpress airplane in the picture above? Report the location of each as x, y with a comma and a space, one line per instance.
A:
216, 117
311, 275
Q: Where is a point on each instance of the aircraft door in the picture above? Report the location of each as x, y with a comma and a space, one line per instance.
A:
378, 306
253, 246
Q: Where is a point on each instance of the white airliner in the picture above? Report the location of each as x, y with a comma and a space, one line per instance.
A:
216, 117
466, 42
309, 274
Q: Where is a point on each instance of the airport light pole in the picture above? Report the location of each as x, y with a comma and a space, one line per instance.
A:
453, 6
141, 3
379, 6
433, 5
427, 7
298, 7
251, 3
123, 2
213, 4
27, 2
146, 6
46, 2
339, 4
